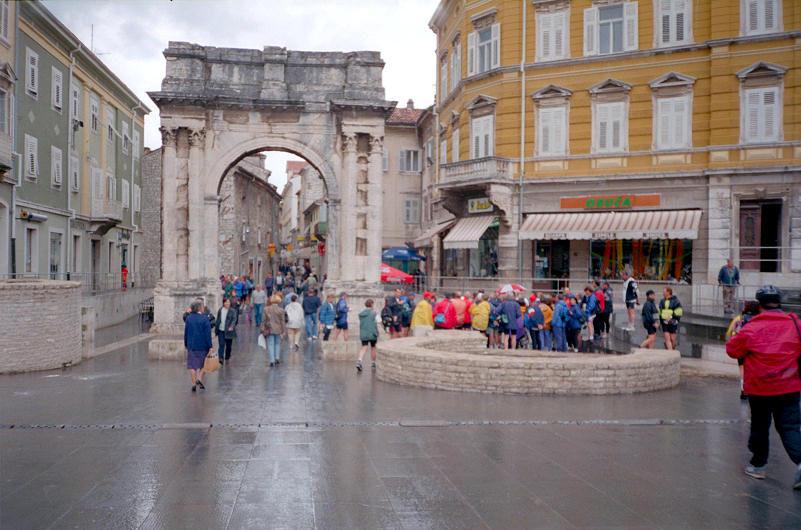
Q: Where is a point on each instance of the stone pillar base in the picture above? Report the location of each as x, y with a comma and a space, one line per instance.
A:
167, 349
358, 292
340, 350
172, 299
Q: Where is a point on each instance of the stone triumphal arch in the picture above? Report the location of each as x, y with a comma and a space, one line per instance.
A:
218, 105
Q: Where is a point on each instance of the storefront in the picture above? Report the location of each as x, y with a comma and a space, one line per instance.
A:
471, 246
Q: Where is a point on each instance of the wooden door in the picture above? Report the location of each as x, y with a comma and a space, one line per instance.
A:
750, 230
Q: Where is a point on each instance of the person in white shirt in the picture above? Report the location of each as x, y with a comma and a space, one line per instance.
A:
295, 320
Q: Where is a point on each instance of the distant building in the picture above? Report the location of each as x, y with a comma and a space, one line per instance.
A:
312, 219
290, 210
150, 264
8, 169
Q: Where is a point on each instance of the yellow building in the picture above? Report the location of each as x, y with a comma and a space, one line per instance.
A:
659, 135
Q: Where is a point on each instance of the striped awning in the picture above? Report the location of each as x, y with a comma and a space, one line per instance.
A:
646, 224
424, 241
468, 231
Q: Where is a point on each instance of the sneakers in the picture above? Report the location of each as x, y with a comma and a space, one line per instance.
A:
797, 479
358, 366
372, 365
759, 472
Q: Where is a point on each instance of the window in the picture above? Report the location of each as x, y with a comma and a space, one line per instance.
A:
456, 64
5, 16
443, 151
610, 29
610, 130
4, 112
110, 124
482, 137
760, 16
409, 160
385, 159
126, 139
31, 250
136, 147
111, 186
673, 123
110, 255
31, 157
673, 21
55, 166
762, 115
429, 152
126, 194
761, 235
31, 72
94, 119
137, 198
75, 174
551, 137
483, 50
75, 99
57, 94
443, 78
455, 145
55, 255
553, 41
411, 211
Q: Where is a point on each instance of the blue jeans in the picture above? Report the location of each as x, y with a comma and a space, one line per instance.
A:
559, 339
545, 339
274, 347
225, 347
311, 325
257, 308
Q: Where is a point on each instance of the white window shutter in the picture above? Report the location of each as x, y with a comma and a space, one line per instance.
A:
770, 15
558, 131
544, 36
753, 15
57, 94
75, 178
666, 16
559, 44
630, 22
455, 145
752, 116
55, 166
496, 45
542, 132
682, 11
471, 54
591, 31
664, 111
602, 126
490, 147
770, 114
32, 71
31, 156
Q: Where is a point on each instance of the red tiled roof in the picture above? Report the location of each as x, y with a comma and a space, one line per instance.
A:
404, 116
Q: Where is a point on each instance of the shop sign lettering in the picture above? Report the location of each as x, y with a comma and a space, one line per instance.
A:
478, 205
609, 202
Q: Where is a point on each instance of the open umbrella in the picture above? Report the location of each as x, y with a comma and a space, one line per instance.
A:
511, 288
401, 254
393, 275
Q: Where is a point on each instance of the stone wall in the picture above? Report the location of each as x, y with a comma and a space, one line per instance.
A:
150, 260
41, 324
443, 361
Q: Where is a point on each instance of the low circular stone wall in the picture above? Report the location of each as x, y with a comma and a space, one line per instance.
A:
41, 324
458, 360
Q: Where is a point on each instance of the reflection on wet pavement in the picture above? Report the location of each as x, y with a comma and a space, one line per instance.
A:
120, 441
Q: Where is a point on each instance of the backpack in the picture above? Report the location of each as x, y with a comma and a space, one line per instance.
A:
439, 318
337, 312
386, 317
608, 302
596, 310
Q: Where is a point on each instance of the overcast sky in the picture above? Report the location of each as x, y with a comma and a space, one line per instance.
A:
130, 35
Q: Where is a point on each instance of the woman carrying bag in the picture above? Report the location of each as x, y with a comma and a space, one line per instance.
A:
198, 343
273, 327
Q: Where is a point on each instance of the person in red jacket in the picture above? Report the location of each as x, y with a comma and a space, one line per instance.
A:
770, 344
445, 308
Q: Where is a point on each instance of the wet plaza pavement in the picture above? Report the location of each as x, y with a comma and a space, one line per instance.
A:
119, 441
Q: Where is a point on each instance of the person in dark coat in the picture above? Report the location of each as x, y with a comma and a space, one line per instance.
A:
198, 343
227, 318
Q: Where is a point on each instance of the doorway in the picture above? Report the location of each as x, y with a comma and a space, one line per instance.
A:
760, 235
550, 264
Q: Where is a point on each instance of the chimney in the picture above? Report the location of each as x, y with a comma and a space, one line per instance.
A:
410, 104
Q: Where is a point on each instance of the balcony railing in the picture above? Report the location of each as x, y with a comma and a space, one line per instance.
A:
108, 209
480, 169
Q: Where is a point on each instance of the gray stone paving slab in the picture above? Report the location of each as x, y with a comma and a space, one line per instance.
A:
120, 442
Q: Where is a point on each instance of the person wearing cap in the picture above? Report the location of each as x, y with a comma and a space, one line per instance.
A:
770, 345
341, 315
423, 314
650, 319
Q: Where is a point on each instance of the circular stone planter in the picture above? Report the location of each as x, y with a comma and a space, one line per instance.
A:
41, 324
458, 360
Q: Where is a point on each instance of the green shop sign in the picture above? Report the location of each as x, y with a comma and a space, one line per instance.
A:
609, 202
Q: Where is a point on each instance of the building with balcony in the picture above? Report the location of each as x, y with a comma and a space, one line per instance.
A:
77, 205
578, 138
8, 79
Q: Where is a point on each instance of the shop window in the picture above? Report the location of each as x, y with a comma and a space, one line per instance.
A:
760, 235
550, 263
666, 260
450, 262
482, 262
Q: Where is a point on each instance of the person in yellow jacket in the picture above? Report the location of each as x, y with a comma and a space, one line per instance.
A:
479, 313
423, 315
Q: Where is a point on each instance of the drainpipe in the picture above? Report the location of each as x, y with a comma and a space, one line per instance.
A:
522, 145
71, 141
13, 129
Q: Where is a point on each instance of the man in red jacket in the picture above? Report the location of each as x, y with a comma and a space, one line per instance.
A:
445, 308
771, 344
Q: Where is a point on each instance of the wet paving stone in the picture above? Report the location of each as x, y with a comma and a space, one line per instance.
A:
120, 442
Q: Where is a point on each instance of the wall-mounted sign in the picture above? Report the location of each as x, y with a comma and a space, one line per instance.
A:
479, 205
610, 202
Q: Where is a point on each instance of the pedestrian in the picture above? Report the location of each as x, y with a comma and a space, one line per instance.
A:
228, 288
750, 309
273, 328
670, 313
728, 279
327, 316
631, 296
650, 319
279, 281
599, 324
259, 299
522, 335
395, 307
198, 343
341, 316
227, 319
205, 312
494, 324
368, 332
460, 307
608, 308
423, 314
239, 288
591, 310
268, 284
510, 310
547, 316
311, 305
468, 316
558, 323
406, 314
575, 321
535, 321
479, 314
294, 321
444, 314
770, 345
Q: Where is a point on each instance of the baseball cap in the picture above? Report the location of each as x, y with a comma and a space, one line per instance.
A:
427, 294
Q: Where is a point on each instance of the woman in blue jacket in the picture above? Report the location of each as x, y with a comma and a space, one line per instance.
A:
558, 324
575, 319
327, 316
341, 316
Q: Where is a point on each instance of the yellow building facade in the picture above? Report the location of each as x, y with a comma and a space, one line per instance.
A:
659, 136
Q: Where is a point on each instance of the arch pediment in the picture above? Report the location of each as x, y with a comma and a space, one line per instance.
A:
672, 79
610, 85
552, 91
761, 69
481, 101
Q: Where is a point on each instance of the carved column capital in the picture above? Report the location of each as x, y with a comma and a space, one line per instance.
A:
376, 145
349, 143
169, 136
197, 137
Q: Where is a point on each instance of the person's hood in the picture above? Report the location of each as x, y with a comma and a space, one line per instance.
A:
366, 311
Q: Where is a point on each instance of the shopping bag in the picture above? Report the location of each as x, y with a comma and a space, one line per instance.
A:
212, 364
262, 341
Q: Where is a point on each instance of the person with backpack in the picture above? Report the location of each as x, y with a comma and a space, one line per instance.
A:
750, 309
591, 310
670, 313
770, 346
509, 312
368, 332
387, 318
575, 321
341, 315
396, 308
327, 316
444, 314
558, 322
406, 314
631, 296
650, 319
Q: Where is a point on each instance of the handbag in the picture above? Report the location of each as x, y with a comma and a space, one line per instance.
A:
211, 364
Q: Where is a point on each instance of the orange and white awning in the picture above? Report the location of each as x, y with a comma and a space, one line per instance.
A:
647, 224
468, 231
425, 239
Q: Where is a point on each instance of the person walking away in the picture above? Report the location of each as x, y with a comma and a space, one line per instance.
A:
650, 319
273, 328
341, 316
591, 310
259, 300
535, 322
444, 314
327, 316
480, 314
558, 322
522, 335
599, 324
268, 284
239, 288
631, 296
750, 308
198, 343
227, 318
575, 320
460, 307
311, 305
406, 313
547, 315
228, 288
368, 332
608, 308
510, 310
294, 321
670, 313
728, 279
423, 314
770, 345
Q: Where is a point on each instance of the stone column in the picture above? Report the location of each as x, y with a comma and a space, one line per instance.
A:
375, 217
197, 220
332, 247
169, 195
347, 210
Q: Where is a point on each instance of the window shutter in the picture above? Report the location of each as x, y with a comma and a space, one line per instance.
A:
544, 32
666, 13
75, 181
770, 14
682, 16
496, 46
591, 31
97, 183
126, 199
753, 15
471, 54
559, 44
558, 131
31, 156
679, 117
602, 126
443, 151
32, 77
5, 15
664, 123
770, 114
490, 137
55, 166
616, 133
57, 94
455, 145
630, 24
752, 117
385, 159
542, 132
